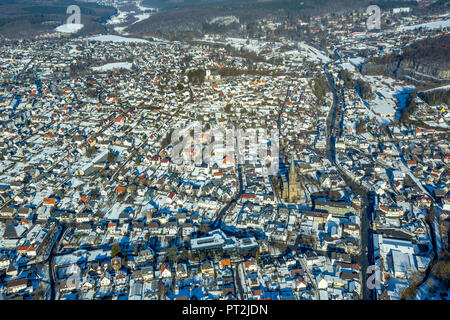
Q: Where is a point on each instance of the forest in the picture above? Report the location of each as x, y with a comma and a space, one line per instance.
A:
190, 15
188, 18
26, 18
432, 51
427, 56
436, 97
363, 88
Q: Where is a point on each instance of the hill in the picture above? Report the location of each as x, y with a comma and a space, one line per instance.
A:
27, 18
192, 17
425, 61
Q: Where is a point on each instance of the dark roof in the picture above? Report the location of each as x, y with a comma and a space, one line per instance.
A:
332, 204
395, 233
17, 282
349, 276
10, 232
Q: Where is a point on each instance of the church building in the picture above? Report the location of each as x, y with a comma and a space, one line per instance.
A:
291, 189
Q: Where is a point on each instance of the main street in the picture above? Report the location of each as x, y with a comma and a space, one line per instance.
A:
366, 256
51, 270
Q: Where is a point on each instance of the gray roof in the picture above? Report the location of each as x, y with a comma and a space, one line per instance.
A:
10, 232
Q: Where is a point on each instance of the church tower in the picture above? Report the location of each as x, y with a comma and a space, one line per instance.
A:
294, 187
291, 189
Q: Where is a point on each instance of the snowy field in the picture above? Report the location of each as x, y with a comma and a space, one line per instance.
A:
254, 45
113, 66
313, 53
348, 66
116, 39
122, 16
141, 17
438, 88
357, 61
304, 49
119, 18
429, 25
389, 96
70, 28
142, 8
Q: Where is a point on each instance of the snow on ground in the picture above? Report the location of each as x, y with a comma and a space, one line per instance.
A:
122, 16
237, 43
119, 18
116, 39
348, 66
384, 109
142, 8
121, 30
114, 66
115, 211
395, 287
443, 125
304, 49
357, 61
73, 49
387, 94
66, 259
70, 28
424, 293
438, 88
313, 53
78, 255
429, 25
141, 17
437, 233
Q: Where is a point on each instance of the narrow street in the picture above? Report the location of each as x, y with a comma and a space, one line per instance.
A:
311, 278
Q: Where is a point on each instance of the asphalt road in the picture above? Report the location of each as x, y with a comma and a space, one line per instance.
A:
50, 263
366, 256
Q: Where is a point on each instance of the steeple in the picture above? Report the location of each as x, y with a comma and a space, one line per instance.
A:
292, 175
294, 192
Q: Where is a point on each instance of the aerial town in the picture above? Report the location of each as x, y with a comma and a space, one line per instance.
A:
223, 168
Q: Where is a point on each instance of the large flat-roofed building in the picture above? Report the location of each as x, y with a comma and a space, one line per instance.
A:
217, 240
335, 208
403, 264
210, 242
